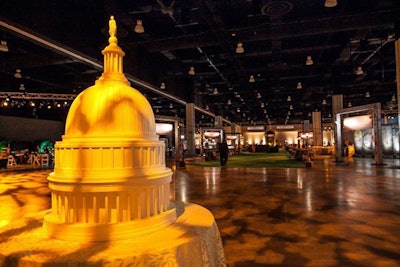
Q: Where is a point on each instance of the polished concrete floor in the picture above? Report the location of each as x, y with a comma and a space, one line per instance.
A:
332, 214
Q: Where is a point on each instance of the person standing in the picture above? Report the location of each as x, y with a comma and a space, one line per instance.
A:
223, 152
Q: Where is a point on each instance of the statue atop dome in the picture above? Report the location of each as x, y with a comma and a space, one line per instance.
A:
112, 27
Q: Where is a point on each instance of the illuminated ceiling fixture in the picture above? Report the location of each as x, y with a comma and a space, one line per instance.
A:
18, 74
170, 105
299, 86
251, 79
309, 61
258, 95
238, 110
139, 26
239, 48
393, 98
349, 105
3, 46
289, 98
215, 92
291, 107
324, 102
330, 3
191, 71
21, 87
262, 105
367, 95
162, 86
359, 71
229, 102
309, 114
207, 108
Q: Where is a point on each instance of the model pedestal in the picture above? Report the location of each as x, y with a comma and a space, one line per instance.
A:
193, 240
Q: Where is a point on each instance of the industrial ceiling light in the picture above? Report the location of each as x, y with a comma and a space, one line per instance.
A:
139, 26
349, 105
324, 102
239, 48
291, 107
299, 86
330, 3
162, 86
3, 46
289, 98
191, 71
393, 98
18, 74
359, 71
215, 92
259, 95
367, 95
22, 87
229, 102
309, 61
251, 79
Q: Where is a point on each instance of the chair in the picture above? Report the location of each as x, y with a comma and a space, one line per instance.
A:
33, 159
11, 162
45, 160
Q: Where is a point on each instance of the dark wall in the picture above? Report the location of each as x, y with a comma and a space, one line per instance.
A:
30, 130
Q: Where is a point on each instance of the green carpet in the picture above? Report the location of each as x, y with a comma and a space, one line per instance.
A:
256, 160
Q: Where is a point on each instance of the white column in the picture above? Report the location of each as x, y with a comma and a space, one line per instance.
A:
190, 129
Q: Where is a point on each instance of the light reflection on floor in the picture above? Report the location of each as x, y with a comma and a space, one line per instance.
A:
333, 214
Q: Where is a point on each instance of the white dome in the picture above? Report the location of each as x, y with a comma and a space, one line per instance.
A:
111, 109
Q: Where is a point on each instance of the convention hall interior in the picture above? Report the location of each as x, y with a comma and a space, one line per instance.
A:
303, 92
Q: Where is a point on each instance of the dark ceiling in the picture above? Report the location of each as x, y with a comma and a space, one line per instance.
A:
277, 37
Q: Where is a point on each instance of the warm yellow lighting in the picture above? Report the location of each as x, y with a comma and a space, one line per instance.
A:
164, 128
139, 26
299, 86
21, 87
358, 122
210, 134
162, 86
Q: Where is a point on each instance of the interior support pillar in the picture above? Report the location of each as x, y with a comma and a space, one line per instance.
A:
377, 126
337, 104
317, 128
190, 129
397, 55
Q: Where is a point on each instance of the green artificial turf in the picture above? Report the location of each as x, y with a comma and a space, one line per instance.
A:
256, 160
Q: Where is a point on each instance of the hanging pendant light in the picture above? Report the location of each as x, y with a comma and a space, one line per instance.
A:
139, 26
191, 71
309, 61
330, 3
239, 48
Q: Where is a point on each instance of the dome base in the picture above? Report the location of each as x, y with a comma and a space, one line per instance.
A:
85, 232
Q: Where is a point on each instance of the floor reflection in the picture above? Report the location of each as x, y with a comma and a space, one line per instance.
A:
332, 214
